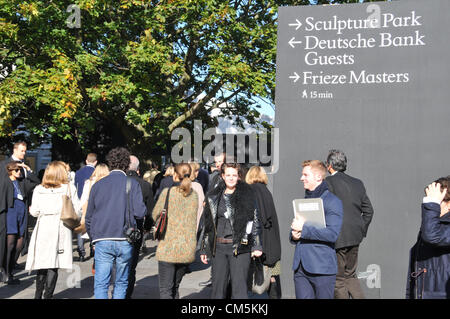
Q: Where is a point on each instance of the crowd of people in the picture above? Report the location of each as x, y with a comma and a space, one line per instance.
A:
227, 216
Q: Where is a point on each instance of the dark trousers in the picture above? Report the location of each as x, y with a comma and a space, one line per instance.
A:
170, 276
226, 266
46, 283
133, 264
313, 286
347, 283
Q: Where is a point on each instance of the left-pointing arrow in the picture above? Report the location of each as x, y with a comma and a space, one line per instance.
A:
292, 42
295, 77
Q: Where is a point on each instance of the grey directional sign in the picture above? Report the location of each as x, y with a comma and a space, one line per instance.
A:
370, 79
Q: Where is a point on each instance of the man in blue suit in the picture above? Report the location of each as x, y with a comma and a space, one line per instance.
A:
315, 263
85, 172
81, 176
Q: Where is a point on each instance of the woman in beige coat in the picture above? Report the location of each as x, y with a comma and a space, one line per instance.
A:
177, 250
51, 242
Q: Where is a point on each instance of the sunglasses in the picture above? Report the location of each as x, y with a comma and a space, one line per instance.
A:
15, 170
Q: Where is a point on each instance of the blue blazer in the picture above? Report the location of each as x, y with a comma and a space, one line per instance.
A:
315, 248
81, 176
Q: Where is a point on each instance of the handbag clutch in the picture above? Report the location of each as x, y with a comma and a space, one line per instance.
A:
69, 216
259, 277
161, 221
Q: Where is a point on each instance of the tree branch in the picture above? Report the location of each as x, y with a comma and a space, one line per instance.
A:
197, 106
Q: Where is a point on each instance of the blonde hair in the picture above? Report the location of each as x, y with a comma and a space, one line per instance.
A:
183, 172
317, 166
170, 171
55, 175
149, 176
195, 167
256, 174
101, 170
91, 158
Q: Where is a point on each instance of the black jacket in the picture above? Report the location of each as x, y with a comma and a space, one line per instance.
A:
429, 264
166, 182
358, 209
270, 230
147, 196
243, 211
26, 186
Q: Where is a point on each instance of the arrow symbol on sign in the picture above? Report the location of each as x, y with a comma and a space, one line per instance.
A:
295, 77
292, 42
298, 24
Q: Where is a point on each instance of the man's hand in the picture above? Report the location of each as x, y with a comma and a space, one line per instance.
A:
296, 234
297, 223
433, 192
256, 253
25, 166
204, 259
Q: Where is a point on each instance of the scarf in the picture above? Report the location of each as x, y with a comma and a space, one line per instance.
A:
317, 192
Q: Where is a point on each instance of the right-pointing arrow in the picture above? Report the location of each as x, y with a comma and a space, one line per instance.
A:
292, 42
295, 77
297, 23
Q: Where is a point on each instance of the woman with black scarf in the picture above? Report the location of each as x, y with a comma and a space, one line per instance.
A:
270, 231
231, 233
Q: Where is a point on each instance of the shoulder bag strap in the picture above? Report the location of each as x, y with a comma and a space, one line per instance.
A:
166, 204
128, 189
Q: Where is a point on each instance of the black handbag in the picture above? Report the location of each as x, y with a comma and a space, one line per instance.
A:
132, 234
258, 276
161, 221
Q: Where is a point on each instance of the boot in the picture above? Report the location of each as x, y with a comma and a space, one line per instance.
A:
40, 284
50, 283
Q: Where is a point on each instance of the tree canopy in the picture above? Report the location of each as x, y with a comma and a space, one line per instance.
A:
102, 73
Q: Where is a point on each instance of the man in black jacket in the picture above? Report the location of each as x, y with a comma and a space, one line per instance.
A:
27, 181
358, 214
147, 196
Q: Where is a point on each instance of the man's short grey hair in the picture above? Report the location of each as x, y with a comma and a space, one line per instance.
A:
134, 163
337, 160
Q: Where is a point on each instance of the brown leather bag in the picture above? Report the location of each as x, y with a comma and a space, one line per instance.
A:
81, 229
69, 216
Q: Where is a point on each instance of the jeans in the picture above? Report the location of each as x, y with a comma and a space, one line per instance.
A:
108, 253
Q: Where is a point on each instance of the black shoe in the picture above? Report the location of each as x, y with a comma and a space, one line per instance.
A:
3, 276
207, 283
82, 258
19, 267
13, 281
